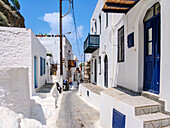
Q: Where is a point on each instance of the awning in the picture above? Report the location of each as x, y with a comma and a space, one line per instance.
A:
118, 6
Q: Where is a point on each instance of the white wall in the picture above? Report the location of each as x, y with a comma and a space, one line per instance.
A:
18, 47
52, 44
130, 72
15, 50
49, 77
165, 52
14, 89
106, 43
67, 55
38, 50
93, 98
107, 103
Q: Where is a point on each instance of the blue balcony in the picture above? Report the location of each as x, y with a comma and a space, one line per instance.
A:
92, 43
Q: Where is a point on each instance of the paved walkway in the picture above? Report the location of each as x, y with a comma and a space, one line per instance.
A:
75, 113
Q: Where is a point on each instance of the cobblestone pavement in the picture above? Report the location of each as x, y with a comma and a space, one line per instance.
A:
75, 113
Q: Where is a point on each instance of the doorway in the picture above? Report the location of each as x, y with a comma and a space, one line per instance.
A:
106, 72
35, 72
95, 71
152, 49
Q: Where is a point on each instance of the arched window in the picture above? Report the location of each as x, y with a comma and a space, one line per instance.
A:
153, 11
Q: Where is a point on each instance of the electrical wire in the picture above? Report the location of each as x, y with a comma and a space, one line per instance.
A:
75, 25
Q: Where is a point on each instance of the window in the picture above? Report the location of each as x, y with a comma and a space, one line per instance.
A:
44, 66
121, 44
92, 67
149, 46
154, 10
87, 93
95, 27
100, 22
41, 66
131, 40
107, 21
99, 65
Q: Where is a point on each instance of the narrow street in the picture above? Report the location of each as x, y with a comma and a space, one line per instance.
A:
75, 113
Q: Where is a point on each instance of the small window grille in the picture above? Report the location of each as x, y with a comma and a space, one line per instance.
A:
131, 40
118, 119
87, 93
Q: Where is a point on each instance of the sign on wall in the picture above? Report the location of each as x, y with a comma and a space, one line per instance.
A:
71, 63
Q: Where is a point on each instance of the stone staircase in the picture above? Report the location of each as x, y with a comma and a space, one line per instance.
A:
153, 115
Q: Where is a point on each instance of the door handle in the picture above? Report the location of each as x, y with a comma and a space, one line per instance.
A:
157, 57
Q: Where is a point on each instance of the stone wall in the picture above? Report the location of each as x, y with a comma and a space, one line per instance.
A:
9, 17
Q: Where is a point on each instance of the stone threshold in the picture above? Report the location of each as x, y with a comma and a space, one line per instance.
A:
46, 88
132, 98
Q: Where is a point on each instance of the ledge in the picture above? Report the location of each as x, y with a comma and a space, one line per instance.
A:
94, 88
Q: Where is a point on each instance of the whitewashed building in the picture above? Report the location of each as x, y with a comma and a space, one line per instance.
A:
21, 48
52, 44
130, 50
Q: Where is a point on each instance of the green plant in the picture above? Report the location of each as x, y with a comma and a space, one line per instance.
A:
16, 4
49, 54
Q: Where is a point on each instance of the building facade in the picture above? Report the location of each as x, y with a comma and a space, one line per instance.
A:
21, 48
52, 44
129, 46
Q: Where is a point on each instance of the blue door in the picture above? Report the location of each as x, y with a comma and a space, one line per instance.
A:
35, 72
152, 54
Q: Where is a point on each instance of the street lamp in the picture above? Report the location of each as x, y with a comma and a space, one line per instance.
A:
66, 33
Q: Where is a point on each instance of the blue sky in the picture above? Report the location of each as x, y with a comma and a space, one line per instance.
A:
42, 17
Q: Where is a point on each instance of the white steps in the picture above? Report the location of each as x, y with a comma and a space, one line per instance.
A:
148, 109
156, 120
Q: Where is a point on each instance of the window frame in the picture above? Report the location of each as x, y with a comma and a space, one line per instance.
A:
100, 22
122, 43
130, 40
92, 67
95, 24
107, 20
41, 66
100, 65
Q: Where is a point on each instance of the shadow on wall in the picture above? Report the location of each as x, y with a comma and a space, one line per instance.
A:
37, 112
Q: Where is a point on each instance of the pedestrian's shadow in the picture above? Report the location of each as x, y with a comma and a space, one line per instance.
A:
37, 112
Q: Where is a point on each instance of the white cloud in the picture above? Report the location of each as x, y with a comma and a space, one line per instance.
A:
68, 25
80, 30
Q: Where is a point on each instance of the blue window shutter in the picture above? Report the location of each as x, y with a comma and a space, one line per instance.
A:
35, 73
131, 40
44, 66
41, 73
118, 119
40, 66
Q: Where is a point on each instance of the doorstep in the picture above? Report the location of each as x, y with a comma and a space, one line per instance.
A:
46, 88
138, 109
130, 99
94, 88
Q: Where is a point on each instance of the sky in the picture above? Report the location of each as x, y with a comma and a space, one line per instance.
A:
42, 16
